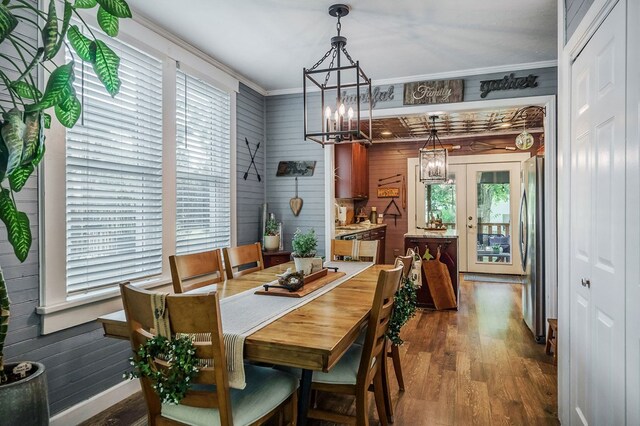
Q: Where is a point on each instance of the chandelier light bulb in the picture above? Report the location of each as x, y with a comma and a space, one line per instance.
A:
327, 113
350, 113
341, 110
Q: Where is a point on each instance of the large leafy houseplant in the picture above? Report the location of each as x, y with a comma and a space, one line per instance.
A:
23, 122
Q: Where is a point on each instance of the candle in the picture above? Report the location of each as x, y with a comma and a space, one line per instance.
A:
350, 115
327, 116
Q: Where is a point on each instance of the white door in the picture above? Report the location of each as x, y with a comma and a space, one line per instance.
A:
493, 200
444, 200
597, 275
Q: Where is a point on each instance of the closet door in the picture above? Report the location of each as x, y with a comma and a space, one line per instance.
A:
597, 269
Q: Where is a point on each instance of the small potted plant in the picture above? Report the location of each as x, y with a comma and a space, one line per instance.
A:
496, 248
271, 235
304, 250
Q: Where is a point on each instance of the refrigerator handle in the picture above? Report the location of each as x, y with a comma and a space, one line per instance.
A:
524, 223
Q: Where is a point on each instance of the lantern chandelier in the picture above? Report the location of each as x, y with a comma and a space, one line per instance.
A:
338, 111
433, 161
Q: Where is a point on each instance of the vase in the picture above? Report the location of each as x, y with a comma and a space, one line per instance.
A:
303, 264
271, 242
25, 402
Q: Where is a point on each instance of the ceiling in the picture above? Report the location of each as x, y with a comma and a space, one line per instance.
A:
270, 41
481, 122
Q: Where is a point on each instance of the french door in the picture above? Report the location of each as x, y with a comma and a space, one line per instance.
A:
493, 199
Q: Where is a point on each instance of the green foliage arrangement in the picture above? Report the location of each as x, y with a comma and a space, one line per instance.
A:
271, 228
404, 308
172, 382
304, 244
22, 126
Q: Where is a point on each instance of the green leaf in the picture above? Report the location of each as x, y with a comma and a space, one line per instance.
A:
33, 135
105, 64
57, 88
4, 158
65, 26
69, 112
40, 154
8, 22
17, 224
118, 8
50, 31
47, 121
25, 90
85, 4
108, 22
80, 43
19, 177
12, 134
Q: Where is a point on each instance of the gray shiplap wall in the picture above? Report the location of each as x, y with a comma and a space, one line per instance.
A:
574, 12
81, 362
285, 142
250, 118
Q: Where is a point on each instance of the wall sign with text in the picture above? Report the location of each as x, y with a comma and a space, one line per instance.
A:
433, 92
508, 82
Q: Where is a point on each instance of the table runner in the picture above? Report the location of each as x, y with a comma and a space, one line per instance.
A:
245, 313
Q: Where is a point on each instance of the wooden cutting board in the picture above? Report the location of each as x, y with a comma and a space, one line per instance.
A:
439, 282
309, 287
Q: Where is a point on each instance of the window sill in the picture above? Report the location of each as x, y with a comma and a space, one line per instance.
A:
81, 309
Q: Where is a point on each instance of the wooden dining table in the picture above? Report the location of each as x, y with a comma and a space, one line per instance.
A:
312, 337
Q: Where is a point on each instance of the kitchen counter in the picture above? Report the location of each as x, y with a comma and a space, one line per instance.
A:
341, 231
423, 233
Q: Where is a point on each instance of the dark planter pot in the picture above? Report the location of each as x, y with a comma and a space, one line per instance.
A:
25, 402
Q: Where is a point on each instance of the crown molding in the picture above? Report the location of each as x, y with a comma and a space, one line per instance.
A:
149, 24
440, 76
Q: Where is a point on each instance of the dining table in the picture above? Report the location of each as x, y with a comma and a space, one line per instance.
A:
312, 337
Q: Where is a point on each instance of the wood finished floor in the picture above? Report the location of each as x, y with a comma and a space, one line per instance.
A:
477, 366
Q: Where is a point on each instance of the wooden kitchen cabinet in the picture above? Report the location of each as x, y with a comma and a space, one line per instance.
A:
352, 171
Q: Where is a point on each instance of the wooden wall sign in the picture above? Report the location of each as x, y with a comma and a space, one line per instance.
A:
433, 92
388, 192
508, 82
296, 168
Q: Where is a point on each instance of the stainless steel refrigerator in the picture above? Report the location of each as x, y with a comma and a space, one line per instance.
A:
532, 246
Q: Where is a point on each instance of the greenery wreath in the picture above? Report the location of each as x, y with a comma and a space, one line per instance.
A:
172, 382
404, 309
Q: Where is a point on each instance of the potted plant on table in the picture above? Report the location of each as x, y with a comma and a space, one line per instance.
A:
23, 390
304, 246
271, 235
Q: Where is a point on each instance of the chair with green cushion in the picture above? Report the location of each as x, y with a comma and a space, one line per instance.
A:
361, 365
209, 401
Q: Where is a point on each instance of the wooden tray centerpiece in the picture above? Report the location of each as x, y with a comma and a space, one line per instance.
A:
309, 283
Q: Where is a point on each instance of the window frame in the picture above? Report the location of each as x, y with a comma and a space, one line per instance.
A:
58, 311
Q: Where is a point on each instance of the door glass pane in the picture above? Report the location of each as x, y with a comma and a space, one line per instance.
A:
493, 217
440, 202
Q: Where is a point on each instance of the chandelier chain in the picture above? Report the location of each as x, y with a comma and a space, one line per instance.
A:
338, 25
317, 64
326, 78
346, 54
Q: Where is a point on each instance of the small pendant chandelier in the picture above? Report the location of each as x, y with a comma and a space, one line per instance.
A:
433, 161
337, 115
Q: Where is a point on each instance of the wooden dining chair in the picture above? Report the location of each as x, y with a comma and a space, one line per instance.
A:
210, 400
394, 352
368, 251
192, 271
344, 249
361, 365
243, 260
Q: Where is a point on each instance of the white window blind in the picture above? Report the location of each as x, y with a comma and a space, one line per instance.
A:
203, 170
114, 175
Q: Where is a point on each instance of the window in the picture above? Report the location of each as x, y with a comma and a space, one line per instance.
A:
114, 176
203, 166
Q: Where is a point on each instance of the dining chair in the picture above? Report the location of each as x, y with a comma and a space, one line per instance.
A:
361, 365
192, 271
344, 249
394, 352
368, 251
210, 401
247, 257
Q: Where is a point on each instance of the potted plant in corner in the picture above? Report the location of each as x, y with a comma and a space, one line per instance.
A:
23, 388
271, 235
304, 250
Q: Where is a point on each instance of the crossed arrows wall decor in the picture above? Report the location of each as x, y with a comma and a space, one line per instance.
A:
253, 162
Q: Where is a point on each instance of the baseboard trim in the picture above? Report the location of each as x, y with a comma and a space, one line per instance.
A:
96, 404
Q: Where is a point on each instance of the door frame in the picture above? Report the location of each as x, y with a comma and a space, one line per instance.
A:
412, 165
567, 54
